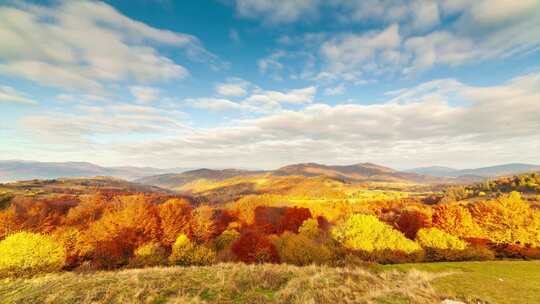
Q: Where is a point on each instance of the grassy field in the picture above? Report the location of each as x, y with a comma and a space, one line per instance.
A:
482, 282
504, 282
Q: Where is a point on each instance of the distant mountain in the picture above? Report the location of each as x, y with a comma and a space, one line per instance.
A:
177, 181
198, 179
357, 172
434, 171
15, 170
478, 173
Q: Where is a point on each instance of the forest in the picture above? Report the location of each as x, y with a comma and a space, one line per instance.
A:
90, 227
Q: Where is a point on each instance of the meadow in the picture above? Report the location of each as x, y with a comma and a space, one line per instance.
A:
504, 282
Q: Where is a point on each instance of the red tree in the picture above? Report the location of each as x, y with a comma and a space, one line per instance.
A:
253, 247
293, 219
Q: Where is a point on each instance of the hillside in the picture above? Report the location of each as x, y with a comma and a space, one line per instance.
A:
178, 181
15, 170
196, 180
477, 173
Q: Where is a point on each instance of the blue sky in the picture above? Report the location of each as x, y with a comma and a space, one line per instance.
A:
260, 84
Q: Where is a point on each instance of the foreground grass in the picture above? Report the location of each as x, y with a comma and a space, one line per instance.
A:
225, 283
504, 282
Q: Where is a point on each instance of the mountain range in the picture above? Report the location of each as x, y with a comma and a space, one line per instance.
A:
13, 170
483, 172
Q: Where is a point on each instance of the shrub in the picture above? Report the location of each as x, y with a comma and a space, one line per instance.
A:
436, 238
226, 238
410, 221
509, 220
310, 229
456, 220
185, 253
150, 254
475, 252
440, 245
253, 247
517, 251
300, 250
376, 241
29, 253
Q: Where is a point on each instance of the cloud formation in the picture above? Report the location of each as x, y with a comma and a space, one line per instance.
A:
85, 44
9, 94
437, 120
408, 37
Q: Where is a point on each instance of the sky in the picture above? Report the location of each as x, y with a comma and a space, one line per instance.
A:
261, 84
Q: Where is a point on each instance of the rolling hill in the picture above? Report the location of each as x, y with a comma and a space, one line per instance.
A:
78, 186
356, 172
206, 179
200, 176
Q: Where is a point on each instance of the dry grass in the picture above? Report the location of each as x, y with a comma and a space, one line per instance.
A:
225, 283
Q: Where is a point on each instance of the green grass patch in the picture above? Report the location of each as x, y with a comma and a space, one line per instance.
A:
502, 282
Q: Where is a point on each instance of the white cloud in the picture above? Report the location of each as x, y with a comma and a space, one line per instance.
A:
358, 53
10, 95
215, 104
233, 87
408, 37
441, 121
276, 12
271, 62
88, 122
144, 94
274, 98
84, 44
259, 101
339, 90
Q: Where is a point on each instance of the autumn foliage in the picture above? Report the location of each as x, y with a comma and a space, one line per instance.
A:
253, 247
106, 231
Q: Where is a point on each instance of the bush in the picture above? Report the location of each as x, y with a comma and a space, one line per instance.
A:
300, 250
223, 244
310, 229
253, 247
27, 253
185, 253
376, 241
440, 245
477, 253
151, 254
226, 238
517, 251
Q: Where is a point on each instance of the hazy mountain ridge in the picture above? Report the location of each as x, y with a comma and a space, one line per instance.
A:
350, 173
480, 173
14, 170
